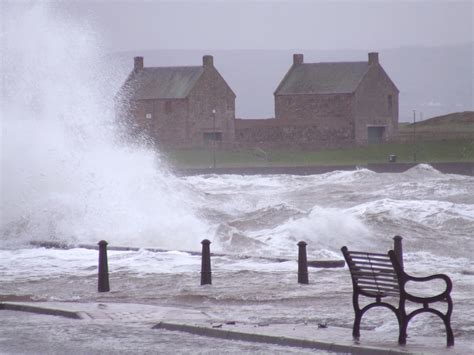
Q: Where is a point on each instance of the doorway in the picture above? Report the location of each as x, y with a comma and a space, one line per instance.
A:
375, 134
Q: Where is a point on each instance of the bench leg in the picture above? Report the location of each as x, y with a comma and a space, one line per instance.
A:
402, 331
356, 327
358, 315
447, 322
449, 332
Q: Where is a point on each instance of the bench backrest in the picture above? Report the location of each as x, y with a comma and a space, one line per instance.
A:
373, 274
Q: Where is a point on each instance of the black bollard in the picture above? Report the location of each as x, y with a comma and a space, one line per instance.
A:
397, 248
103, 268
206, 276
302, 264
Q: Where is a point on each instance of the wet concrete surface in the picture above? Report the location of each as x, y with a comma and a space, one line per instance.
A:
29, 333
138, 328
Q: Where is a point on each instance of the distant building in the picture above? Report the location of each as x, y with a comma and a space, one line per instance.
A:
317, 105
355, 100
179, 107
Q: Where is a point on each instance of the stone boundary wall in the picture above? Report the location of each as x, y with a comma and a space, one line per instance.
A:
280, 133
275, 133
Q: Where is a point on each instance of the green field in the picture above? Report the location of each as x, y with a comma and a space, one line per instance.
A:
458, 122
432, 151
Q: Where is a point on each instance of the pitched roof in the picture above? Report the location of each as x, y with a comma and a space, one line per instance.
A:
162, 82
323, 78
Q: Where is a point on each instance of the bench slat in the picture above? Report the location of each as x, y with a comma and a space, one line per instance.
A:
380, 290
376, 269
364, 253
369, 258
375, 289
365, 283
388, 265
381, 294
376, 279
387, 275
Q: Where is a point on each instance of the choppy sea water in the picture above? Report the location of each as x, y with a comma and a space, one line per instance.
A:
267, 216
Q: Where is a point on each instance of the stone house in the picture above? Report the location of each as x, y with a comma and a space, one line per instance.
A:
338, 101
179, 107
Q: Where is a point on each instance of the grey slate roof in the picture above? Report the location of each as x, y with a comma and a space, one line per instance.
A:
323, 78
163, 82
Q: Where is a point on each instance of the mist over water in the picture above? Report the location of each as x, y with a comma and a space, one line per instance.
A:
66, 175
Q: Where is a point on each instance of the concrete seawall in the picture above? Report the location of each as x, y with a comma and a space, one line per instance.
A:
465, 168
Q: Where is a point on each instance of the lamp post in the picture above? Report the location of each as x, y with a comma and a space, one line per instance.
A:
214, 138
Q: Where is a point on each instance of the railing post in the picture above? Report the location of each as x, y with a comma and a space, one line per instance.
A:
397, 248
302, 263
103, 285
206, 276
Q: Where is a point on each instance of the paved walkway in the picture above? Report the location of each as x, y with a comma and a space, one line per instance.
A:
210, 325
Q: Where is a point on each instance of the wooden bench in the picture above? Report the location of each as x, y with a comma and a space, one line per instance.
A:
379, 276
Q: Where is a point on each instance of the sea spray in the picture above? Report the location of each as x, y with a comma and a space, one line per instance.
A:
65, 174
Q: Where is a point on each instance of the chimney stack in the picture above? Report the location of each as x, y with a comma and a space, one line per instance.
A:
208, 61
373, 58
138, 63
298, 59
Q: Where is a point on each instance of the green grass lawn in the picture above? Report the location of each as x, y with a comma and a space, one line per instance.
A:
434, 151
450, 127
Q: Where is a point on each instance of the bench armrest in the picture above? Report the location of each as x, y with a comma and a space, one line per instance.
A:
446, 278
404, 277
439, 297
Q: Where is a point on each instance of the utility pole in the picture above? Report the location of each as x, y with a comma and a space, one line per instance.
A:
414, 136
214, 138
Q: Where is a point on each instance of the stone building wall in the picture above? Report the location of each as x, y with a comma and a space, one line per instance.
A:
164, 121
326, 110
376, 104
210, 93
315, 120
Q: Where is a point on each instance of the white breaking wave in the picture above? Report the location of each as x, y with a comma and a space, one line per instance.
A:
65, 175
432, 213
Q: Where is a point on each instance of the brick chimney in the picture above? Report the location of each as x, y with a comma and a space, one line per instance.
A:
138, 63
208, 61
298, 59
373, 58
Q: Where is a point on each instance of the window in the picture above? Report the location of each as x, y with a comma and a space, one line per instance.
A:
168, 107
148, 115
230, 104
390, 103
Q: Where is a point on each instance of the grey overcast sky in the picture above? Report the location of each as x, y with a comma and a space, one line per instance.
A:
297, 24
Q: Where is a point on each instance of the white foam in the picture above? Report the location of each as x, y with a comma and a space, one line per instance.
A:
65, 175
432, 213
